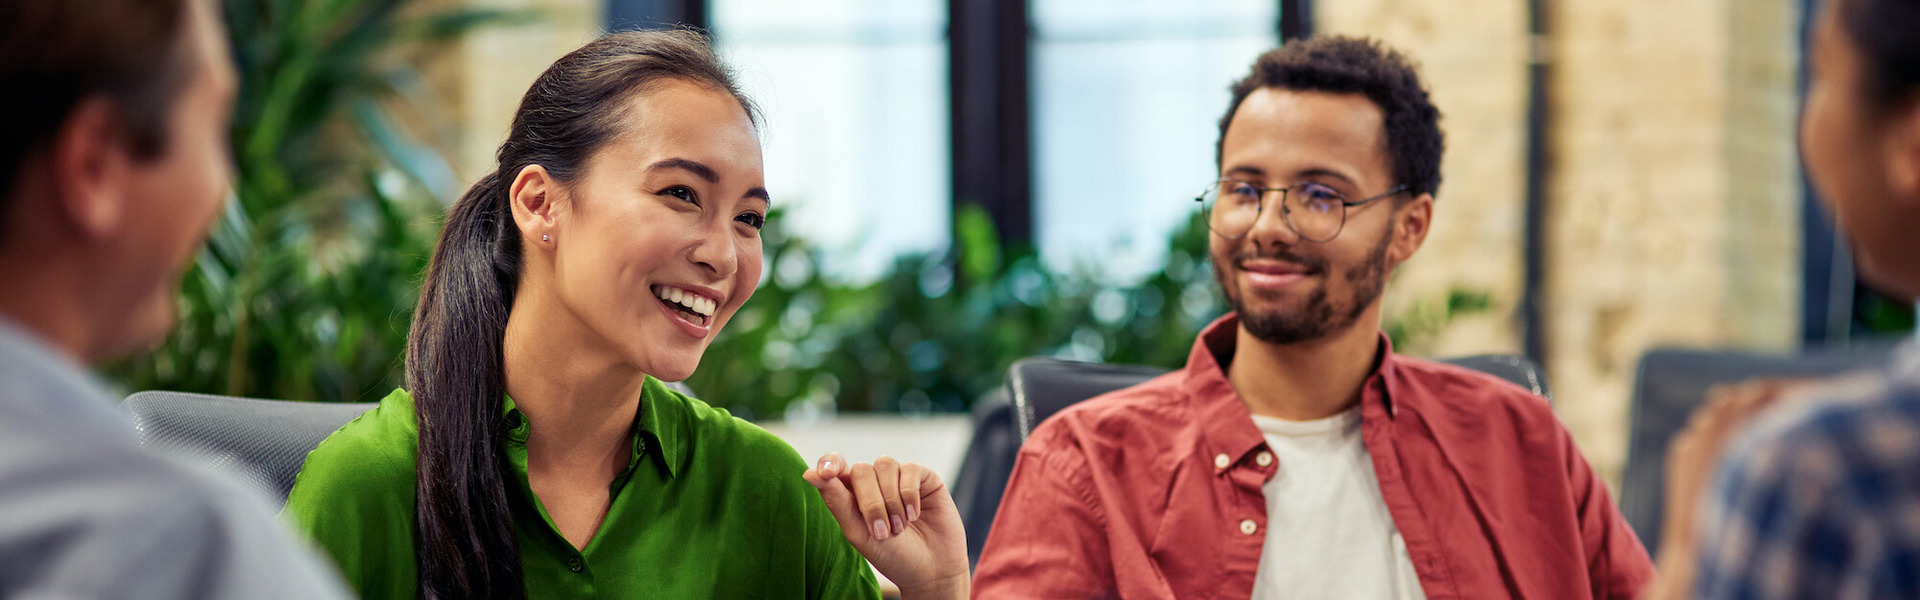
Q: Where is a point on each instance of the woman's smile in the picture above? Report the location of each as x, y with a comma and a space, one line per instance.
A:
692, 308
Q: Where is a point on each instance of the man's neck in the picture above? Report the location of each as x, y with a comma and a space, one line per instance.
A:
1309, 380
52, 309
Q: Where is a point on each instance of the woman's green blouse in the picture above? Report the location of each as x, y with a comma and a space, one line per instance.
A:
709, 506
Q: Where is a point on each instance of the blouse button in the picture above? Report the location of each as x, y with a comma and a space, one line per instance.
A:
1220, 461
574, 564
1265, 458
1247, 527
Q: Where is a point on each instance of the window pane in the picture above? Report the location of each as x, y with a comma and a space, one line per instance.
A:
855, 98
1127, 97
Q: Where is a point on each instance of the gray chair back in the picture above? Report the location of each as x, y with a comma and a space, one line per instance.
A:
263, 440
1671, 383
1037, 388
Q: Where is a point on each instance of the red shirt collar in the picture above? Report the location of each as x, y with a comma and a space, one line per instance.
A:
1226, 425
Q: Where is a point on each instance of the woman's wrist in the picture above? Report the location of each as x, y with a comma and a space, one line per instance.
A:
953, 587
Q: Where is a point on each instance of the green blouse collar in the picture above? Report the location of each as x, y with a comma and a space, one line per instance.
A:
653, 429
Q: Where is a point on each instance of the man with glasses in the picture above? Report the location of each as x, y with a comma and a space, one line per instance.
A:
1296, 456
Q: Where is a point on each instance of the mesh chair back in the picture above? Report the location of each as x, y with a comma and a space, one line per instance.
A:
1037, 388
266, 440
1670, 384
263, 440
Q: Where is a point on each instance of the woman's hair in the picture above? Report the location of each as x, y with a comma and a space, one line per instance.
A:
1887, 33
455, 367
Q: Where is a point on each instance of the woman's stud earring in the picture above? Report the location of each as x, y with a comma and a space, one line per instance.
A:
543, 237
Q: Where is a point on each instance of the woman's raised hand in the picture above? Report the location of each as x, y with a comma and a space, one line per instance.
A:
900, 516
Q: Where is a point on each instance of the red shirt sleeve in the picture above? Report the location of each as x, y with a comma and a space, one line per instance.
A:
1049, 538
1617, 563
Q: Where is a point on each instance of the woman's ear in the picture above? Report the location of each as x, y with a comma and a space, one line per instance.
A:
1410, 227
534, 194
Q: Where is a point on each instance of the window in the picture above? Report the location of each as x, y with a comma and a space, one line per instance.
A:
1127, 95
854, 93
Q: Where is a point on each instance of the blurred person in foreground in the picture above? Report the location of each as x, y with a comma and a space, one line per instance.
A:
536, 451
1296, 456
113, 161
1818, 493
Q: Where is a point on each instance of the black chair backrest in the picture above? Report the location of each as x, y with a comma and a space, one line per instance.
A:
1038, 387
1670, 384
265, 440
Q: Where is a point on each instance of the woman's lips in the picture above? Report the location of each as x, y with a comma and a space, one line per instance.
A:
680, 318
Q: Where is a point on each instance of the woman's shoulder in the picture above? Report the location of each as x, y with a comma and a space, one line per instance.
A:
374, 451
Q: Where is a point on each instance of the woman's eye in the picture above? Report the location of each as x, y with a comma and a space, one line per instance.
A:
684, 193
753, 219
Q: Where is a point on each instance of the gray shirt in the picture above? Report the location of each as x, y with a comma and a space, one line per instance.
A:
85, 512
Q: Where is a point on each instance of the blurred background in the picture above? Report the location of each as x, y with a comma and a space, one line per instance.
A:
964, 183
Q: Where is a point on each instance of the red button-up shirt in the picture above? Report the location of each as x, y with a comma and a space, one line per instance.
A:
1154, 491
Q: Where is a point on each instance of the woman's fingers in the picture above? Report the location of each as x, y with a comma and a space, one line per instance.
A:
880, 498
910, 477
887, 471
865, 484
829, 466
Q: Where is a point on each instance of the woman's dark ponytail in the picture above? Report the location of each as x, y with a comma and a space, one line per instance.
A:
465, 542
466, 546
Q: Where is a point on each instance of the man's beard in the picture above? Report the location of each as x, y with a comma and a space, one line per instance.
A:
1319, 317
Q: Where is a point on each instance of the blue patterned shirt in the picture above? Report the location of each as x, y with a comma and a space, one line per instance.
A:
1821, 497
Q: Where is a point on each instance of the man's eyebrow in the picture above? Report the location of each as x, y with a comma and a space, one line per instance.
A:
699, 170
1325, 172
1254, 172
1310, 173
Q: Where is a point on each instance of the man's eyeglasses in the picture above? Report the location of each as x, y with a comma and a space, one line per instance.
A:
1315, 211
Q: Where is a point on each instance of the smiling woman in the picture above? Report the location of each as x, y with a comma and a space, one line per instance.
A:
537, 452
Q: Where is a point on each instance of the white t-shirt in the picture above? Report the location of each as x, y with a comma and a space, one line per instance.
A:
1328, 531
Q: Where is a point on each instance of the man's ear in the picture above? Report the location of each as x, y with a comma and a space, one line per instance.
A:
533, 195
1411, 223
1903, 152
91, 164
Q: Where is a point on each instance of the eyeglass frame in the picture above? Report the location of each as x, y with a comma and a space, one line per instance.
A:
1286, 213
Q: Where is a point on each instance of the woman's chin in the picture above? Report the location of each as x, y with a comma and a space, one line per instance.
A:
672, 370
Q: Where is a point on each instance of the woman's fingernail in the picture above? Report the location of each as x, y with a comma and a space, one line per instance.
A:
897, 525
879, 529
826, 463
913, 514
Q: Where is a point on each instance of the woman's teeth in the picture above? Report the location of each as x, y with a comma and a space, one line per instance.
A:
699, 309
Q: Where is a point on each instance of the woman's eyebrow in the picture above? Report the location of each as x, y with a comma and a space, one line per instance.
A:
707, 173
699, 170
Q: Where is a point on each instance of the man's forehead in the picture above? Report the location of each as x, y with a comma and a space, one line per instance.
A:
1277, 124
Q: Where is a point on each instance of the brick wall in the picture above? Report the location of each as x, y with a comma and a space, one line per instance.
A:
1672, 182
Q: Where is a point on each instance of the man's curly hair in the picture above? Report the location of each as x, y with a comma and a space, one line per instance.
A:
1353, 65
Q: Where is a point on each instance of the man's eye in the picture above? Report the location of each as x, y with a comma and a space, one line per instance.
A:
684, 193
1246, 193
1319, 193
753, 219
